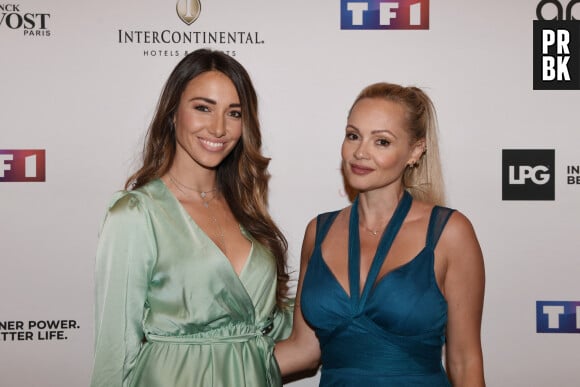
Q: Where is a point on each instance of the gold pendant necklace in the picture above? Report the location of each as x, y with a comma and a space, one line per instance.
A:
179, 185
374, 232
371, 231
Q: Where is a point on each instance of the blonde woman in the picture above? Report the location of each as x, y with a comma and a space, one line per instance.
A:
386, 282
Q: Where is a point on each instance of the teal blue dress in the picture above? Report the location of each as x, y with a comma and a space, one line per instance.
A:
390, 334
171, 311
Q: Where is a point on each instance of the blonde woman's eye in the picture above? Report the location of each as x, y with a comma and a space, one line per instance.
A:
383, 142
352, 136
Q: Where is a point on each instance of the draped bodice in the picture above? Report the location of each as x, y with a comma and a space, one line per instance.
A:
171, 310
391, 333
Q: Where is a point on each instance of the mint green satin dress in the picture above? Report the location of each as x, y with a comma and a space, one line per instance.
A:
171, 311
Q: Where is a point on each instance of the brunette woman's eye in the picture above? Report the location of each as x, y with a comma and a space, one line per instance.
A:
236, 114
201, 108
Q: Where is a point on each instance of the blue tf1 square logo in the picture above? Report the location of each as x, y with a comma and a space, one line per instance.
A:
556, 47
558, 316
384, 14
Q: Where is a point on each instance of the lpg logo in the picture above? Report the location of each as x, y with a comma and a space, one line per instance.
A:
556, 47
188, 10
528, 174
23, 165
557, 317
384, 14
538, 174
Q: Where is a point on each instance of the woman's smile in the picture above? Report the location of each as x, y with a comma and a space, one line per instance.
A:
212, 146
360, 170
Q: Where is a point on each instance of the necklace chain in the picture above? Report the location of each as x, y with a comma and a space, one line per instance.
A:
373, 232
203, 195
376, 232
179, 185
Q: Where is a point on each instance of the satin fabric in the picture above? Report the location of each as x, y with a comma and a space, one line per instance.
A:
171, 311
390, 332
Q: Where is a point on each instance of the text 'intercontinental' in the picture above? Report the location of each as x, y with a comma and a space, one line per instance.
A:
195, 37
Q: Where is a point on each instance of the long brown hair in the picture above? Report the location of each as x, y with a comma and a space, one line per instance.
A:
242, 177
424, 180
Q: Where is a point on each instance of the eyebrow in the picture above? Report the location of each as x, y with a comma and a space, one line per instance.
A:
374, 131
213, 102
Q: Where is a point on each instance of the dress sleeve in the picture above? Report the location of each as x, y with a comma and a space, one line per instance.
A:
125, 255
282, 324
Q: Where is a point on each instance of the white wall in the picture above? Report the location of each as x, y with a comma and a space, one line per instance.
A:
87, 99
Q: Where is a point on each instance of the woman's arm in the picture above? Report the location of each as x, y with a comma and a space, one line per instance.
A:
463, 287
124, 252
301, 350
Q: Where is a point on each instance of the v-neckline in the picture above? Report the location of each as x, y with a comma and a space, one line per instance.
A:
225, 259
357, 297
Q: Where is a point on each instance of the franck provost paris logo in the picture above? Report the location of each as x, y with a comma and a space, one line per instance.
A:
32, 23
528, 174
556, 46
384, 14
188, 10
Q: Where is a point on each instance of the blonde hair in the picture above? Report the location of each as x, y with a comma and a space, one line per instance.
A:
424, 181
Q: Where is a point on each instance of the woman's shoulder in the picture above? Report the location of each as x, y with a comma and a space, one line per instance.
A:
138, 198
459, 233
452, 223
458, 222
130, 211
321, 220
125, 200
423, 210
328, 216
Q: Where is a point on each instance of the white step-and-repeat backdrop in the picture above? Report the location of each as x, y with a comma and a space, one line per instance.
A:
79, 81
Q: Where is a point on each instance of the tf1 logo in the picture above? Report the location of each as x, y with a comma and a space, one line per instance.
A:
528, 174
556, 46
384, 14
22, 165
557, 316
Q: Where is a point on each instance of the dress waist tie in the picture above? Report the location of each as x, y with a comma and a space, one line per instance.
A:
235, 333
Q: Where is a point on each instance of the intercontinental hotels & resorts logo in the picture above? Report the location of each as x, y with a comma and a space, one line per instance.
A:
163, 42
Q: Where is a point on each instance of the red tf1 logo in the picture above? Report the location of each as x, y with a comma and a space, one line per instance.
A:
22, 165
